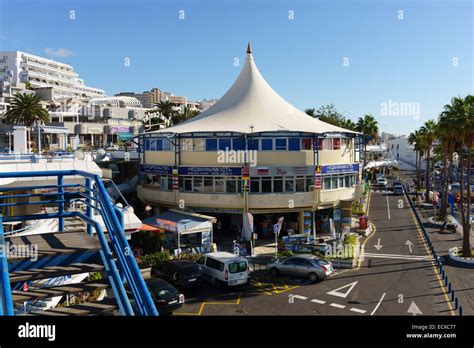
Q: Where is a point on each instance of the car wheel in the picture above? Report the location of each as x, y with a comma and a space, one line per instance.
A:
275, 272
313, 277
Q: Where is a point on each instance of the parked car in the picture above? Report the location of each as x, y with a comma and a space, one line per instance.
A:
382, 181
166, 297
397, 188
303, 265
182, 274
224, 269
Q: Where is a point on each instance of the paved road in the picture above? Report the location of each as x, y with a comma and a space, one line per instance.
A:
390, 279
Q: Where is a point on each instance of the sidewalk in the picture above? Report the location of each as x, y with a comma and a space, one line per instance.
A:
461, 278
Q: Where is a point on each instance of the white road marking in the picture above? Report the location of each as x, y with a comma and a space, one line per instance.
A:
357, 310
300, 297
337, 305
399, 257
338, 293
378, 304
388, 205
315, 300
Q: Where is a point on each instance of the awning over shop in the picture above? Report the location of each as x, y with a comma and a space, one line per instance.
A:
380, 164
181, 222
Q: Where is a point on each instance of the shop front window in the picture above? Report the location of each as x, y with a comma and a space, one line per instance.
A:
289, 185
327, 183
231, 185
255, 185
208, 184
266, 184
306, 144
300, 187
198, 184
334, 182
219, 184
277, 184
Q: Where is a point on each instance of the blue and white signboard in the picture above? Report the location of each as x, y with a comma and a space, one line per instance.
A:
218, 171
155, 169
340, 168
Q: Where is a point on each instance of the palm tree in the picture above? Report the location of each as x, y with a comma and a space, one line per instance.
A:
368, 125
429, 132
416, 139
26, 109
184, 115
447, 134
166, 109
311, 112
349, 124
466, 135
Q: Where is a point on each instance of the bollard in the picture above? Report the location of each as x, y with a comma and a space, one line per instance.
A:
452, 294
460, 311
450, 288
456, 303
445, 279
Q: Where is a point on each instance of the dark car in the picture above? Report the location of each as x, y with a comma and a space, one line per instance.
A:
166, 297
183, 274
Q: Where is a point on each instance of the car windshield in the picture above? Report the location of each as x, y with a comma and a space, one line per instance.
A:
237, 267
161, 290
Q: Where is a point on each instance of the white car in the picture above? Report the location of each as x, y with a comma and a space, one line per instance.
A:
224, 269
382, 181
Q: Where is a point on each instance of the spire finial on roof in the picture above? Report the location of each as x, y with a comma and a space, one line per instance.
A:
249, 48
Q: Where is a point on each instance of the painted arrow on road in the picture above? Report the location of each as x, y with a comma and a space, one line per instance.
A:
378, 246
410, 245
338, 293
413, 309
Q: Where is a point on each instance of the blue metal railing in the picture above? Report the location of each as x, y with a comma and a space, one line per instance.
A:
121, 270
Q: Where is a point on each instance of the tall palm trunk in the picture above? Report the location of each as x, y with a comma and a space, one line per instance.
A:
444, 200
417, 161
427, 175
466, 241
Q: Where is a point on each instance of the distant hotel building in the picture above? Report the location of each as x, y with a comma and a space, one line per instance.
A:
20, 67
149, 99
297, 166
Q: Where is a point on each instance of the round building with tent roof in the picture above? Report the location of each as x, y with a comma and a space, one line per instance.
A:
253, 152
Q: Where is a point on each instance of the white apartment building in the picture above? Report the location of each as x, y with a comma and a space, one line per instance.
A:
19, 67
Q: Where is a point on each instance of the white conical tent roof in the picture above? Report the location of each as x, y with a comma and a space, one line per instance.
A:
250, 106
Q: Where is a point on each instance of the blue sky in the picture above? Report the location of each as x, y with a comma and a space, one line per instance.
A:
408, 60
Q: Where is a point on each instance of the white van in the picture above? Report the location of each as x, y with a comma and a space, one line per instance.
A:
224, 269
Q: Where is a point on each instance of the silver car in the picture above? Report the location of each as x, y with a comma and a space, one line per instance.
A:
303, 266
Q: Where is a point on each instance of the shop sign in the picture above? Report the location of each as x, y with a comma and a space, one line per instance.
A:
340, 168
224, 171
124, 129
155, 169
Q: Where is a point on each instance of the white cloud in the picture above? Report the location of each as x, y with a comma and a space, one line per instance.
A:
60, 52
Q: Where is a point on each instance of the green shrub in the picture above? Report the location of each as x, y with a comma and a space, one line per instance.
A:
351, 239
155, 258
286, 253
95, 276
188, 256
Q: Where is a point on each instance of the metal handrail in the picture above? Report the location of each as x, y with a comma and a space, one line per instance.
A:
113, 219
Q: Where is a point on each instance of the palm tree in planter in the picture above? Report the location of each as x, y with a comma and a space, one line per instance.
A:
368, 125
416, 139
166, 109
447, 135
428, 130
26, 109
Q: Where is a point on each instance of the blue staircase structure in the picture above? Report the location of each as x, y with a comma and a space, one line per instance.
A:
63, 253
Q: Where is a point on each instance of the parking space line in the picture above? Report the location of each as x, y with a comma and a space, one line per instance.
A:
203, 304
315, 300
357, 310
300, 297
378, 304
337, 305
